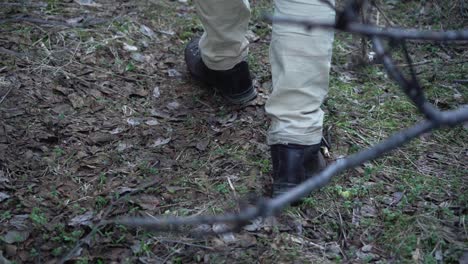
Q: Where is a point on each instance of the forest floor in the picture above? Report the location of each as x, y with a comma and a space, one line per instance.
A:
99, 119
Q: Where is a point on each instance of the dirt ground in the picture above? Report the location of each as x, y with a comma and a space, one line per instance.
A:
99, 119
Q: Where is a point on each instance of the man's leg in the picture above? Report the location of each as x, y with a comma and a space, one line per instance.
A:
223, 44
300, 62
218, 58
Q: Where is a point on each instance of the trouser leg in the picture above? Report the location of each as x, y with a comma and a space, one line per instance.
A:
300, 62
223, 44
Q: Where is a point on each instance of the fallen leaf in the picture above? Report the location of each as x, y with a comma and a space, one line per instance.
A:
82, 220
160, 141
138, 57
203, 144
173, 73
246, 240
416, 255
63, 90
133, 121
368, 211
439, 256
173, 105
256, 224
160, 114
156, 92
3, 196
101, 138
62, 109
139, 91
367, 256
74, 21
136, 247
396, 198
147, 202
152, 122
117, 130
15, 236
147, 31
90, 3
261, 223
123, 190
333, 250
76, 100
227, 238
129, 47
366, 248
122, 146
202, 229
20, 221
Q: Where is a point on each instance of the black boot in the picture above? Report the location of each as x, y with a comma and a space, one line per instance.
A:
293, 164
235, 85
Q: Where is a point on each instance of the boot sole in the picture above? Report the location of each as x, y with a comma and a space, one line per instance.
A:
250, 95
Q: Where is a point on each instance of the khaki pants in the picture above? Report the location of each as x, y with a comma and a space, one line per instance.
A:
300, 62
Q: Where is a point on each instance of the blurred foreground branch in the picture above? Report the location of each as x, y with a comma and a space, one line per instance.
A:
434, 119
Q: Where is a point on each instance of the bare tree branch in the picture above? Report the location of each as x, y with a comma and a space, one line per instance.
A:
370, 30
271, 207
434, 119
411, 87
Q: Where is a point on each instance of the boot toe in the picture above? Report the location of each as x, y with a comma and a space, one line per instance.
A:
235, 85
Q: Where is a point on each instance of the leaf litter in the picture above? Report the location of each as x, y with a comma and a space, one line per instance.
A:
106, 107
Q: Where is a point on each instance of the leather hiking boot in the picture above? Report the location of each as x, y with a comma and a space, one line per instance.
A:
293, 164
235, 85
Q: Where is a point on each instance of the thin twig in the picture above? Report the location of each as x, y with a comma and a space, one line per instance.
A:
6, 94
12, 53
387, 19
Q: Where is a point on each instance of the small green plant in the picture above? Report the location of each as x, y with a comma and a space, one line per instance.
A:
5, 215
58, 152
82, 261
222, 188
33, 252
57, 251
177, 260
63, 236
130, 67
102, 179
309, 202
38, 217
101, 202
52, 6
147, 170
54, 192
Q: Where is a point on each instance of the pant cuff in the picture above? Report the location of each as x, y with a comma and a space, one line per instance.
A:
304, 139
225, 64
